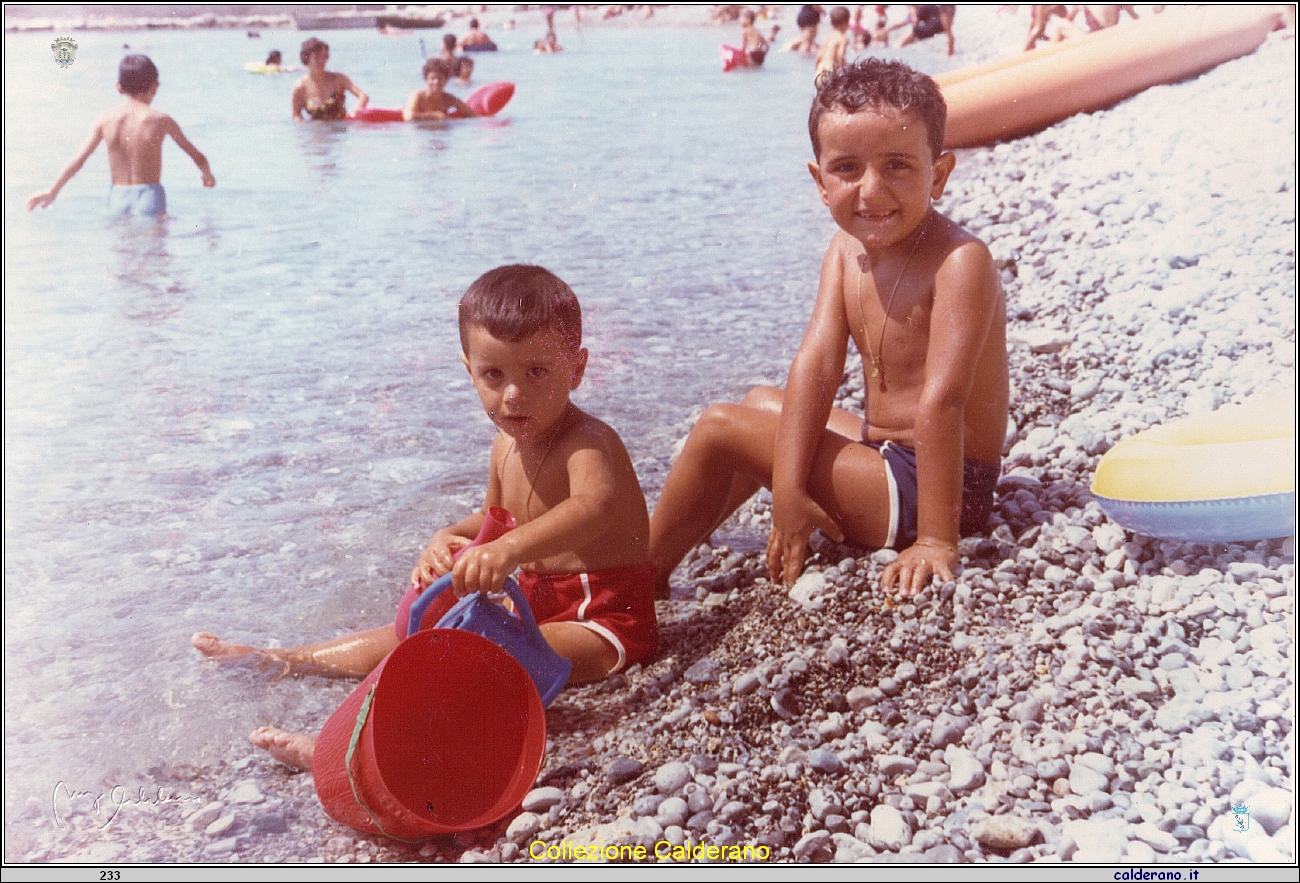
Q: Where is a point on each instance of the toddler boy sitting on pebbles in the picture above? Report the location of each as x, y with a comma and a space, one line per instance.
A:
921, 299
582, 535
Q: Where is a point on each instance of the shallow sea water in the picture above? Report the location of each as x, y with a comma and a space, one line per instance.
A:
248, 417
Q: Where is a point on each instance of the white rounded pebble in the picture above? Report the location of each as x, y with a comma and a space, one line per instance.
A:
670, 777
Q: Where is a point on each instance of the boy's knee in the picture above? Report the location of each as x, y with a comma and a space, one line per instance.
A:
717, 425
713, 421
764, 398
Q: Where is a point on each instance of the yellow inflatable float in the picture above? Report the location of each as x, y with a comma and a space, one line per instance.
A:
1024, 93
1227, 476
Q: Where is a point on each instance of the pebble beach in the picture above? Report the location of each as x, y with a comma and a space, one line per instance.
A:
1078, 694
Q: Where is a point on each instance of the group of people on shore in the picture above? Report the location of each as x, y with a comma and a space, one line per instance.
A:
848, 31
1059, 23
1050, 23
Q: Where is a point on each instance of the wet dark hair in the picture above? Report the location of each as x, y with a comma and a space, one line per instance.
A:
516, 301
441, 65
874, 84
473, 23
449, 42
137, 74
310, 47
839, 16
274, 57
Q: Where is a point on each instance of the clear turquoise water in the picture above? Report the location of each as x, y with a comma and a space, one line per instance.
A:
248, 417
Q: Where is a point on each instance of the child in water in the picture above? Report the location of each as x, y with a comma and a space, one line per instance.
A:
921, 299
133, 135
582, 541
431, 102
448, 48
754, 44
832, 52
547, 45
320, 94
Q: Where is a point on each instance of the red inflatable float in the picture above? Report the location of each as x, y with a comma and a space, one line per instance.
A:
485, 102
733, 58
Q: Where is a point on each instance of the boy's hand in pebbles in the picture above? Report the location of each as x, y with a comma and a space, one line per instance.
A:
915, 565
794, 518
437, 558
482, 569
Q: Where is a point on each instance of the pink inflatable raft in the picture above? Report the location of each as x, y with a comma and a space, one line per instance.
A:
485, 102
733, 58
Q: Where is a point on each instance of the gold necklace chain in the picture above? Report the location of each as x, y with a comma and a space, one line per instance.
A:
532, 481
878, 360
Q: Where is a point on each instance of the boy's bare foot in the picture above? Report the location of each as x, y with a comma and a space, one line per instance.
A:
291, 749
264, 660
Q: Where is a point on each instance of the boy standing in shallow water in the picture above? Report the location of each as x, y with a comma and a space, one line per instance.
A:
582, 539
133, 134
921, 299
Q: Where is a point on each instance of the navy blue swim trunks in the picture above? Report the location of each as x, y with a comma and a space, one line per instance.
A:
977, 482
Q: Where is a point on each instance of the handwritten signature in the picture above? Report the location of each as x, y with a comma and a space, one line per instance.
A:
110, 802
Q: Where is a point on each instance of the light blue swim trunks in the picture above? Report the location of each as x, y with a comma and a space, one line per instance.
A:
148, 200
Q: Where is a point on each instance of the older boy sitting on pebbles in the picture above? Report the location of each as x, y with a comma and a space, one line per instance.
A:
921, 299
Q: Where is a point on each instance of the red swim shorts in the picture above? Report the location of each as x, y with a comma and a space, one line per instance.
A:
616, 604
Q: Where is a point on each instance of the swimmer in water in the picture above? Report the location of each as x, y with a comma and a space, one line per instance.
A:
754, 44
431, 102
475, 37
548, 45
321, 94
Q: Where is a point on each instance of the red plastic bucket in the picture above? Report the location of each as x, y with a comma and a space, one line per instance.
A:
447, 734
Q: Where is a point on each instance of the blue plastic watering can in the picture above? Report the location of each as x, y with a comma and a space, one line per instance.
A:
517, 634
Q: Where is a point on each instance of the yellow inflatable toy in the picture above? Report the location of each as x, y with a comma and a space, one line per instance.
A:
1227, 476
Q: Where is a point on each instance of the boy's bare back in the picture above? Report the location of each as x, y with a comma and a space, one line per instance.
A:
831, 55
133, 135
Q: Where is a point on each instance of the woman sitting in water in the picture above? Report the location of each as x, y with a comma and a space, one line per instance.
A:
320, 94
